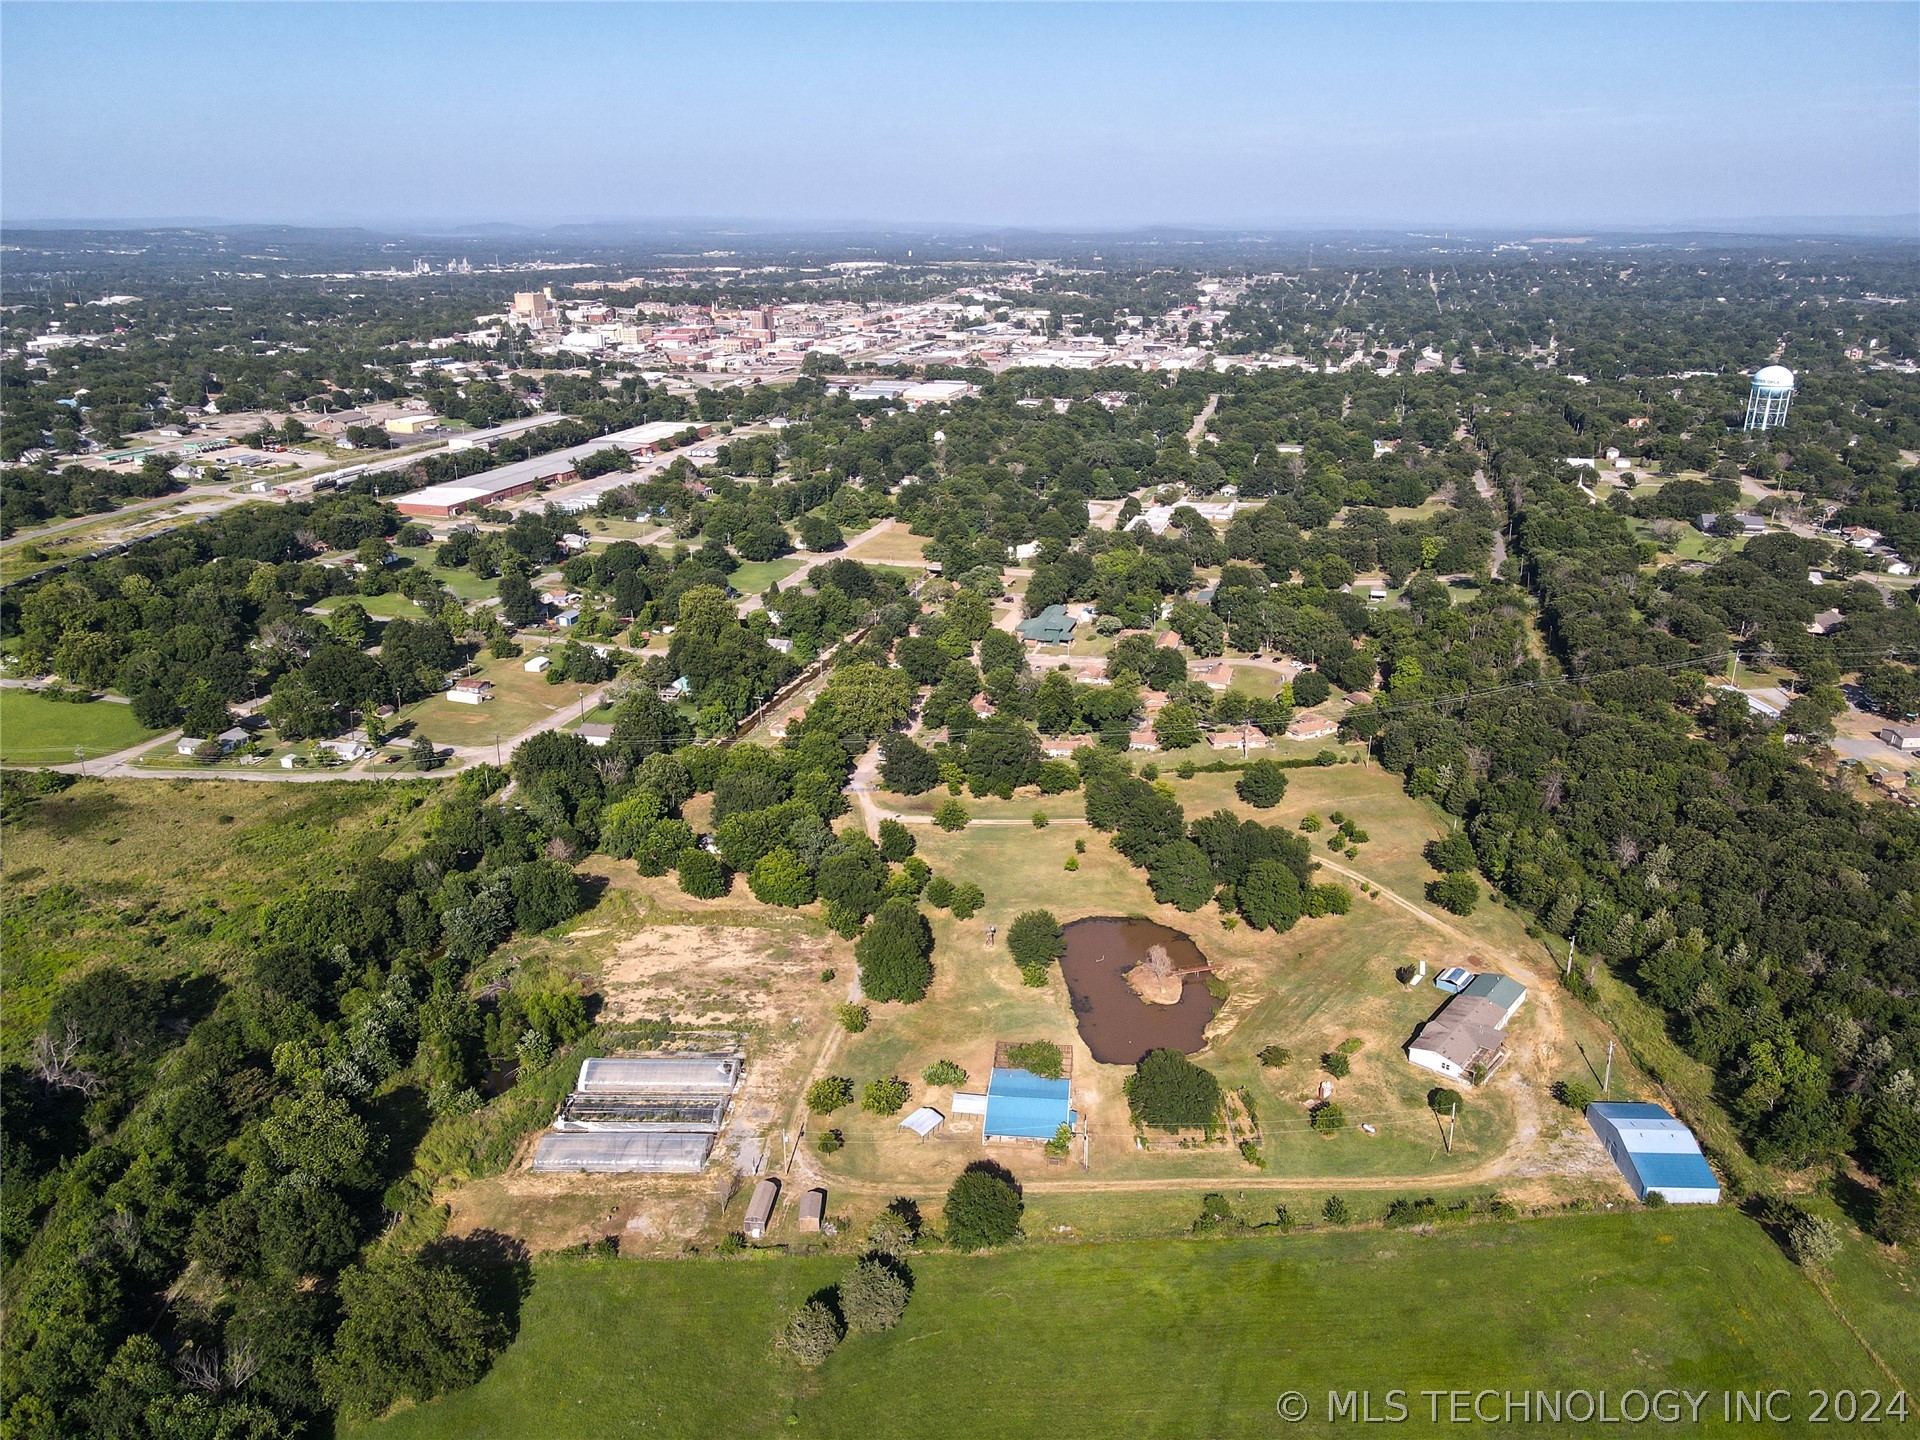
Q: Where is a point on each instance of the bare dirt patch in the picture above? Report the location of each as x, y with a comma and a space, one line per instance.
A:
715, 974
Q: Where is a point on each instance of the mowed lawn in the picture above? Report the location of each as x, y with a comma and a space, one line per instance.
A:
753, 576
38, 731
1323, 982
1166, 1338
519, 699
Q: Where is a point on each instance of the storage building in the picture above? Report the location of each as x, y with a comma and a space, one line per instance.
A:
1655, 1152
760, 1208
813, 1211
1025, 1106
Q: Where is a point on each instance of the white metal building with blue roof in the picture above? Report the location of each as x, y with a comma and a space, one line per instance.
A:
1655, 1152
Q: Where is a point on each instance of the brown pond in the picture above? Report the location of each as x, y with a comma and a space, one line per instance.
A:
1118, 1026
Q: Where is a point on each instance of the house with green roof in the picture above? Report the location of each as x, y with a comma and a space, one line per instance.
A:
1052, 626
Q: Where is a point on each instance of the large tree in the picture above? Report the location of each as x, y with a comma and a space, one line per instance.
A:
894, 953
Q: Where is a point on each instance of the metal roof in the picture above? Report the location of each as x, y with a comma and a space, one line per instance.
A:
624, 1151
1663, 1150
1499, 989
1052, 626
1023, 1104
624, 1074
923, 1122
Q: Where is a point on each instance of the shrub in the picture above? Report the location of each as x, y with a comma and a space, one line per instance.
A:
967, 899
884, 1097
1080, 846
1812, 1239
1309, 823
1186, 770
893, 1229
1038, 1057
1073, 862
1274, 1056
1034, 976
1262, 784
830, 1141
1250, 1153
951, 815
873, 1297
1329, 1117
853, 1018
1169, 1092
983, 1207
701, 875
1406, 974
939, 892
780, 878
1336, 1064
1442, 1101
1896, 1215
1040, 820
896, 842
1061, 1142
1035, 938
944, 1072
1335, 1211
829, 1093
813, 1333
1576, 1095
1454, 892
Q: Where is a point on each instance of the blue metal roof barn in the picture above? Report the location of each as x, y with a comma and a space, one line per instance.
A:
1655, 1152
1023, 1106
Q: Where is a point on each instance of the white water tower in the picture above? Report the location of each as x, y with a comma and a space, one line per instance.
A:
1767, 402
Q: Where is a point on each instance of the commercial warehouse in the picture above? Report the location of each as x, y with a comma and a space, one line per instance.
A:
1655, 1153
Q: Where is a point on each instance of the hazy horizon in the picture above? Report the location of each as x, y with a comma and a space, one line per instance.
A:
1085, 118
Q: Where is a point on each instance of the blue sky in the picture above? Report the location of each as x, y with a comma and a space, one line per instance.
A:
1068, 115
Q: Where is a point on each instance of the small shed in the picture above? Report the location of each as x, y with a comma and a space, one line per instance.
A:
1453, 979
596, 734
1655, 1153
537, 664
760, 1208
813, 1210
967, 1104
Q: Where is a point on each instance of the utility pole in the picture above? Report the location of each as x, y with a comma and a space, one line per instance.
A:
496, 748
1567, 970
1606, 1085
1453, 1115
1085, 1159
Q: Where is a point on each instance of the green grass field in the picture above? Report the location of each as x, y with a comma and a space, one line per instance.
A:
463, 584
519, 699
381, 607
1170, 1338
38, 731
753, 576
166, 876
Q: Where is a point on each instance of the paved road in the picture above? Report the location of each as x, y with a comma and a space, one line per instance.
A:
122, 764
1485, 487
